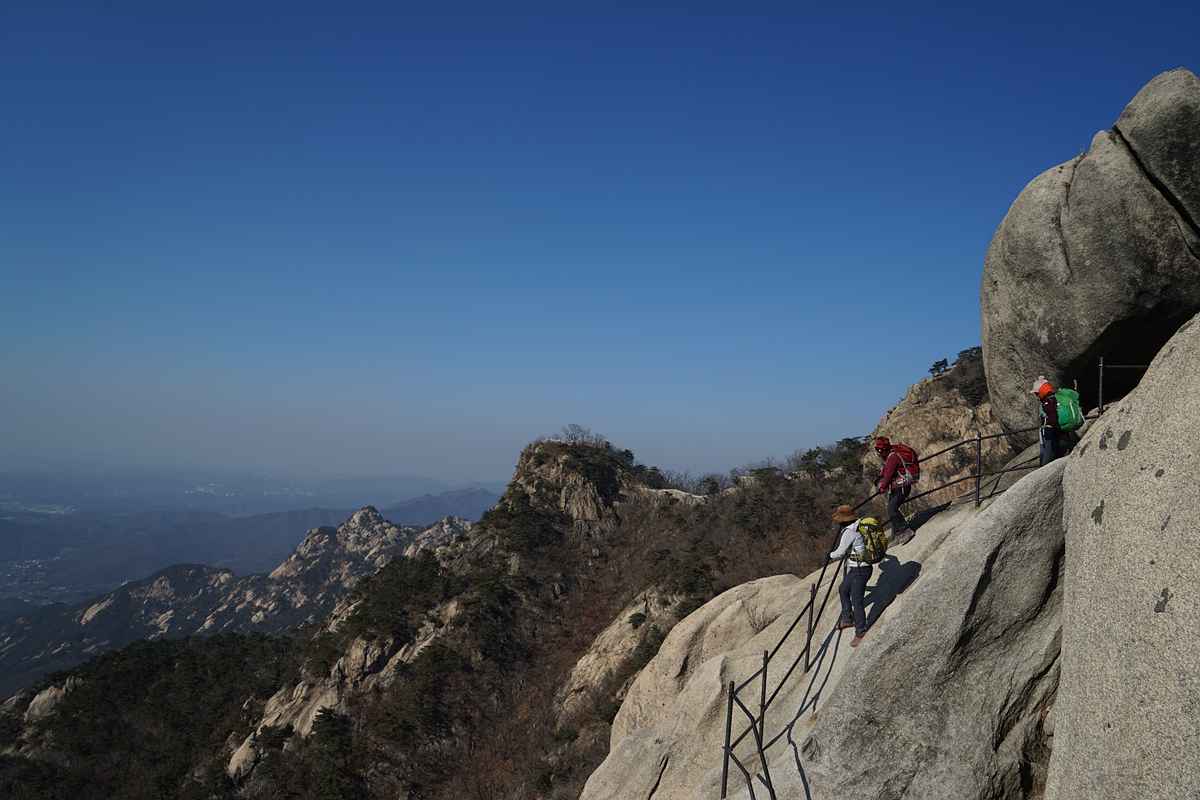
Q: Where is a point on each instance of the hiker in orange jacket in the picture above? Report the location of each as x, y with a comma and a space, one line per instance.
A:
1054, 442
894, 482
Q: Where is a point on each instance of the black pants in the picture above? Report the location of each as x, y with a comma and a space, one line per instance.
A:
896, 496
851, 591
1054, 444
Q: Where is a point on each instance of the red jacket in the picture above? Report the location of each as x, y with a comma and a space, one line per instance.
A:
892, 476
1050, 411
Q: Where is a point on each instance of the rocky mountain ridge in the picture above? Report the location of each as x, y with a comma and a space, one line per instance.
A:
1044, 645
507, 653
196, 600
586, 595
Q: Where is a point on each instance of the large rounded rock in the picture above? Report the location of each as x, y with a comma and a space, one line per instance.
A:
1098, 257
1128, 711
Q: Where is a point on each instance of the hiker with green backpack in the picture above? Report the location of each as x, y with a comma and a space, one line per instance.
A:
1061, 417
863, 543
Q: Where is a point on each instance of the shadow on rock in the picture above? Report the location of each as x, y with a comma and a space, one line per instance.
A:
894, 577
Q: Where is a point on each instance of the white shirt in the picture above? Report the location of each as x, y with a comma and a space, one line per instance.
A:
851, 539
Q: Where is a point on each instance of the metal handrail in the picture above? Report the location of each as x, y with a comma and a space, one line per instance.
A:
758, 726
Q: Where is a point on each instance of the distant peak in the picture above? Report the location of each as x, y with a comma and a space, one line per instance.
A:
368, 516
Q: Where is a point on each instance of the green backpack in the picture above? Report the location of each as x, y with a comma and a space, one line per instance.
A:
1070, 417
875, 540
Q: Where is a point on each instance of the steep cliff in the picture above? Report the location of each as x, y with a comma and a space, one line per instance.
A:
1127, 723
1053, 626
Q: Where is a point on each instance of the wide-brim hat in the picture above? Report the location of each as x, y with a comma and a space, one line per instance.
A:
844, 514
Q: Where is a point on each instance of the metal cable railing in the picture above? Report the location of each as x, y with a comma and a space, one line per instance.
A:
757, 724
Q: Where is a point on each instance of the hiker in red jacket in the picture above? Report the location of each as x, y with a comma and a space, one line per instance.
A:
895, 481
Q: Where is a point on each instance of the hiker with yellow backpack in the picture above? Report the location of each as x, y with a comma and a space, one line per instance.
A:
862, 544
901, 471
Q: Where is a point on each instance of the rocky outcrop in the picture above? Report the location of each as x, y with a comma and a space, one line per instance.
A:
48, 698
932, 416
666, 739
1098, 257
1128, 716
714, 629
610, 651
581, 479
436, 535
359, 547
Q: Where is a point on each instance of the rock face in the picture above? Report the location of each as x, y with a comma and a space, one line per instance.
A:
952, 689
715, 629
609, 650
667, 737
436, 535
1128, 716
586, 496
948, 687
1098, 257
45, 701
1060, 619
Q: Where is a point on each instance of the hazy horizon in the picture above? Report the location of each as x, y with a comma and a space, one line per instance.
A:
410, 238
16, 465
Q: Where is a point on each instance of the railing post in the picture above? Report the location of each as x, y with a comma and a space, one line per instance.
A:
728, 733
762, 700
812, 602
978, 463
757, 725
1101, 384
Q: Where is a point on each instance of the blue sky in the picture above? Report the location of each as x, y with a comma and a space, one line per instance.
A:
410, 237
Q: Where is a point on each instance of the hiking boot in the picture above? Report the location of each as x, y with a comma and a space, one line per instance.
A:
855, 642
903, 538
841, 626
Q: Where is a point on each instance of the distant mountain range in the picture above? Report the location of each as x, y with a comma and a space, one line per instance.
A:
34, 495
192, 599
469, 504
67, 537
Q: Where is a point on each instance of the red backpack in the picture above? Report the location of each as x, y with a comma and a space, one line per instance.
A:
910, 465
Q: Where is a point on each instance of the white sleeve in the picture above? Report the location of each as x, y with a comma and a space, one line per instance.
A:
849, 534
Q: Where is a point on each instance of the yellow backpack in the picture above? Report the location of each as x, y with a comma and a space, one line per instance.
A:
875, 540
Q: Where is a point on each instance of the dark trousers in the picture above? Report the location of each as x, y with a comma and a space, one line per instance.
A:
1055, 444
896, 496
851, 592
